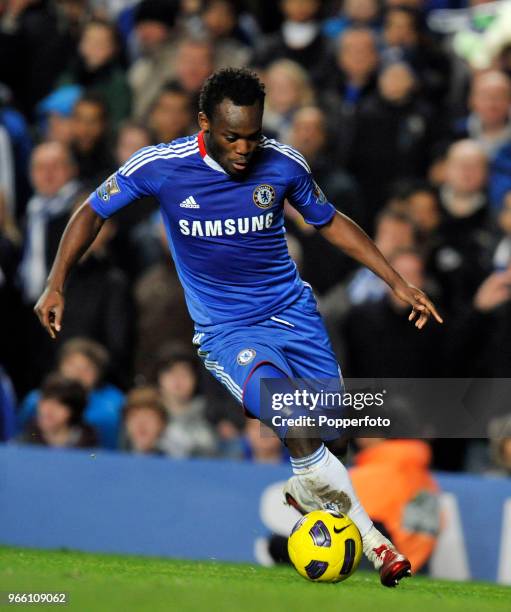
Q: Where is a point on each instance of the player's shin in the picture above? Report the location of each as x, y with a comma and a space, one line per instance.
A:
322, 481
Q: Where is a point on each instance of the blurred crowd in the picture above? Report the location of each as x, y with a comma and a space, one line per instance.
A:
402, 109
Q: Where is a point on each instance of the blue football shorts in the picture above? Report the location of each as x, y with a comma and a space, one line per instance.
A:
295, 341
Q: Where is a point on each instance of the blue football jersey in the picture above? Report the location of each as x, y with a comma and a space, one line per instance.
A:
226, 234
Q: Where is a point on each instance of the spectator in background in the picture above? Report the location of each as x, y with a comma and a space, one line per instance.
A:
55, 114
299, 39
188, 433
404, 41
394, 231
90, 140
481, 335
7, 175
503, 60
15, 153
350, 81
309, 134
10, 247
392, 136
478, 347
465, 238
145, 420
502, 254
73, 14
499, 432
489, 124
131, 137
220, 23
58, 422
7, 407
171, 115
394, 483
288, 88
423, 207
87, 362
353, 13
53, 173
261, 444
97, 68
106, 316
162, 316
56, 190
195, 61
36, 48
155, 33
132, 246
401, 353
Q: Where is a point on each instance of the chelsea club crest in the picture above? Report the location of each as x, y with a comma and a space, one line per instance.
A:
245, 356
264, 196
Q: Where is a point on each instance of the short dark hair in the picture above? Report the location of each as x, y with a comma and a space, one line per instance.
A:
412, 13
171, 88
68, 392
92, 350
173, 353
394, 215
236, 6
240, 85
96, 99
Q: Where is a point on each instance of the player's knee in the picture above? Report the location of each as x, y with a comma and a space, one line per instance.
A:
252, 392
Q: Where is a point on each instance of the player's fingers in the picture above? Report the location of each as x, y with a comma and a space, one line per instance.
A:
431, 307
43, 316
47, 323
412, 314
57, 317
423, 319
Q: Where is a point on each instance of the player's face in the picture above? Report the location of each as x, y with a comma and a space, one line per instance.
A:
233, 135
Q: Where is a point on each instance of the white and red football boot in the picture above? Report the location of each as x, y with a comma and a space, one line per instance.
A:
392, 565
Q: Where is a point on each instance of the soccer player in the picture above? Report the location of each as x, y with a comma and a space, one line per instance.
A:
221, 193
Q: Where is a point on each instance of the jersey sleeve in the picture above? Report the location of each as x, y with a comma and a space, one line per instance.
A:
309, 200
129, 183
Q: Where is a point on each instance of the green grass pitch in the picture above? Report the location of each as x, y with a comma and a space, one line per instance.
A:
112, 582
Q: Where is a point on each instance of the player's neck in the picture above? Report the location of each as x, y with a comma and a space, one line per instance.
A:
207, 145
210, 151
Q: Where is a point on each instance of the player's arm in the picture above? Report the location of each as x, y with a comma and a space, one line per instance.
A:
79, 234
345, 234
135, 179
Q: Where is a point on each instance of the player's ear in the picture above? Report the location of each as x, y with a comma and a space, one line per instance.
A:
203, 122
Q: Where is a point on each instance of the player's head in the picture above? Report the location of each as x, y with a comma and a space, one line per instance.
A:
231, 113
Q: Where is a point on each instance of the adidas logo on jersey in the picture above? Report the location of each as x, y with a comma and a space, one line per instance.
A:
189, 203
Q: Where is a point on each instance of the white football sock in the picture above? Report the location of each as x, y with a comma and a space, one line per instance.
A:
326, 479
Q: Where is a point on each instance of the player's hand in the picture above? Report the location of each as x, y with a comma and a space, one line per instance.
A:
422, 306
49, 309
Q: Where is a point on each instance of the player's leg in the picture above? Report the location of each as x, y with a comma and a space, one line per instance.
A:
321, 481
